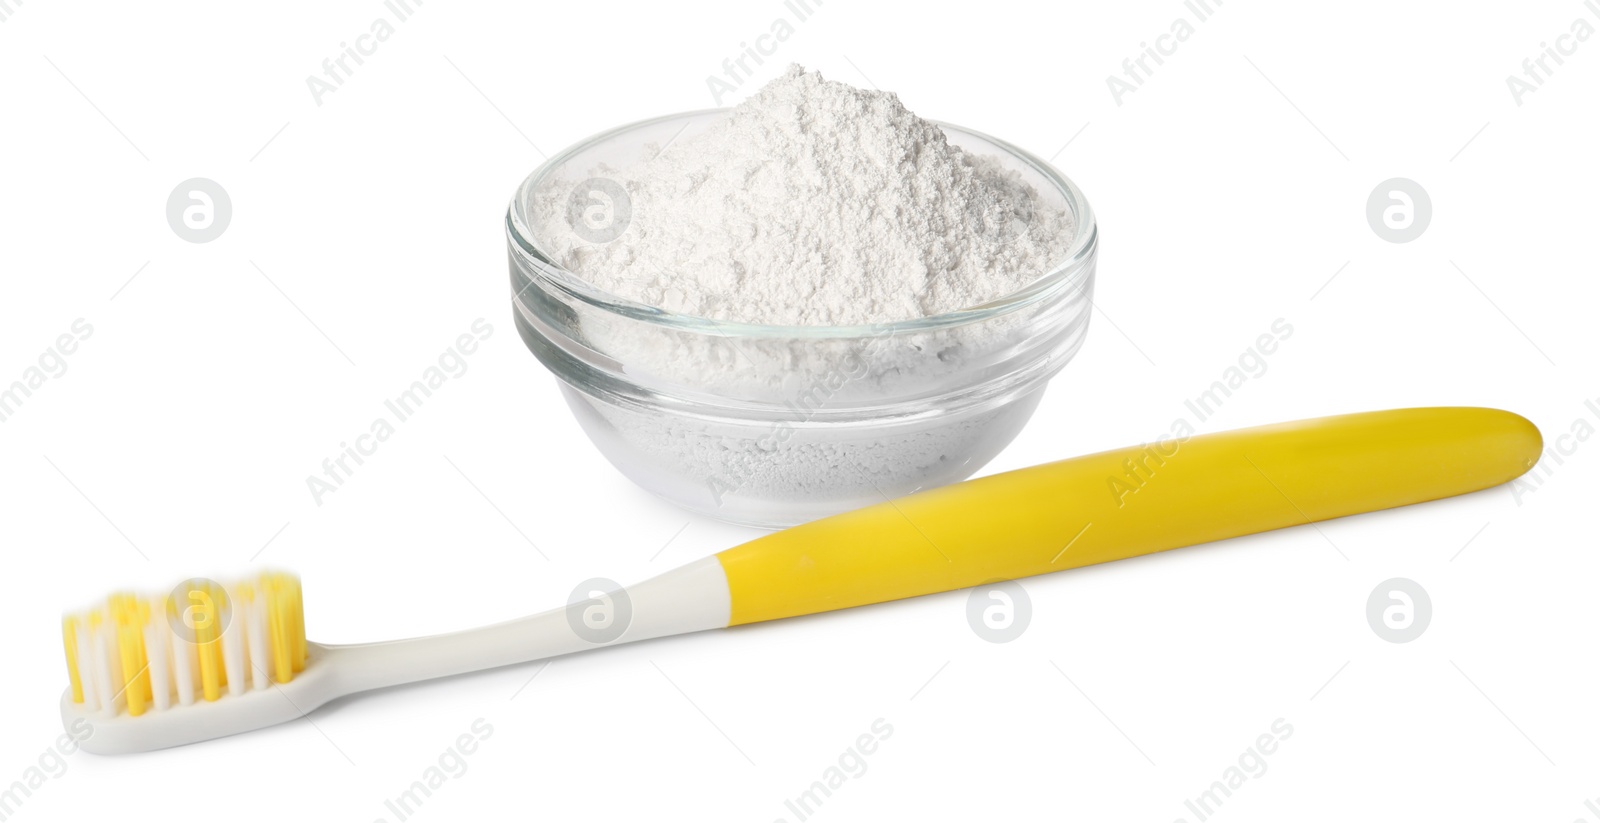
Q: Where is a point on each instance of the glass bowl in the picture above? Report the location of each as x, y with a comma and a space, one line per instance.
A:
769, 425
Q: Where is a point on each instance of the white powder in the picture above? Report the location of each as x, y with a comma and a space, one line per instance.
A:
816, 203
812, 203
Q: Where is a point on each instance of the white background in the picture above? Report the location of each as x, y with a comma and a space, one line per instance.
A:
366, 236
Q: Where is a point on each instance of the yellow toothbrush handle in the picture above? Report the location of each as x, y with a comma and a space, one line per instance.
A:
1124, 503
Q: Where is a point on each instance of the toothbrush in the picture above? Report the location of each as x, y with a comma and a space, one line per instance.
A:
149, 673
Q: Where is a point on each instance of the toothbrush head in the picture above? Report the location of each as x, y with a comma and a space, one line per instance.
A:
147, 672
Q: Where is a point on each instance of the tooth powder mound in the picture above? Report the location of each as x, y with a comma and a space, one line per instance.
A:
815, 203
812, 203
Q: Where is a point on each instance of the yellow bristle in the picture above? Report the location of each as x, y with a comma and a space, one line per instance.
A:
280, 626
135, 680
69, 638
203, 619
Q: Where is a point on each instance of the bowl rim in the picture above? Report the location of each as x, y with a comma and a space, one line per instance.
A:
1072, 270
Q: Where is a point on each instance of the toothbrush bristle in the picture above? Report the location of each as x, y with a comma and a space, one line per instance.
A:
134, 653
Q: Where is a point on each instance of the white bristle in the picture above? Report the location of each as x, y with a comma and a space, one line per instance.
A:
235, 657
254, 617
183, 674
101, 668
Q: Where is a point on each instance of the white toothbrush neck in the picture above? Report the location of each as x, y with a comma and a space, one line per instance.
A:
687, 599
